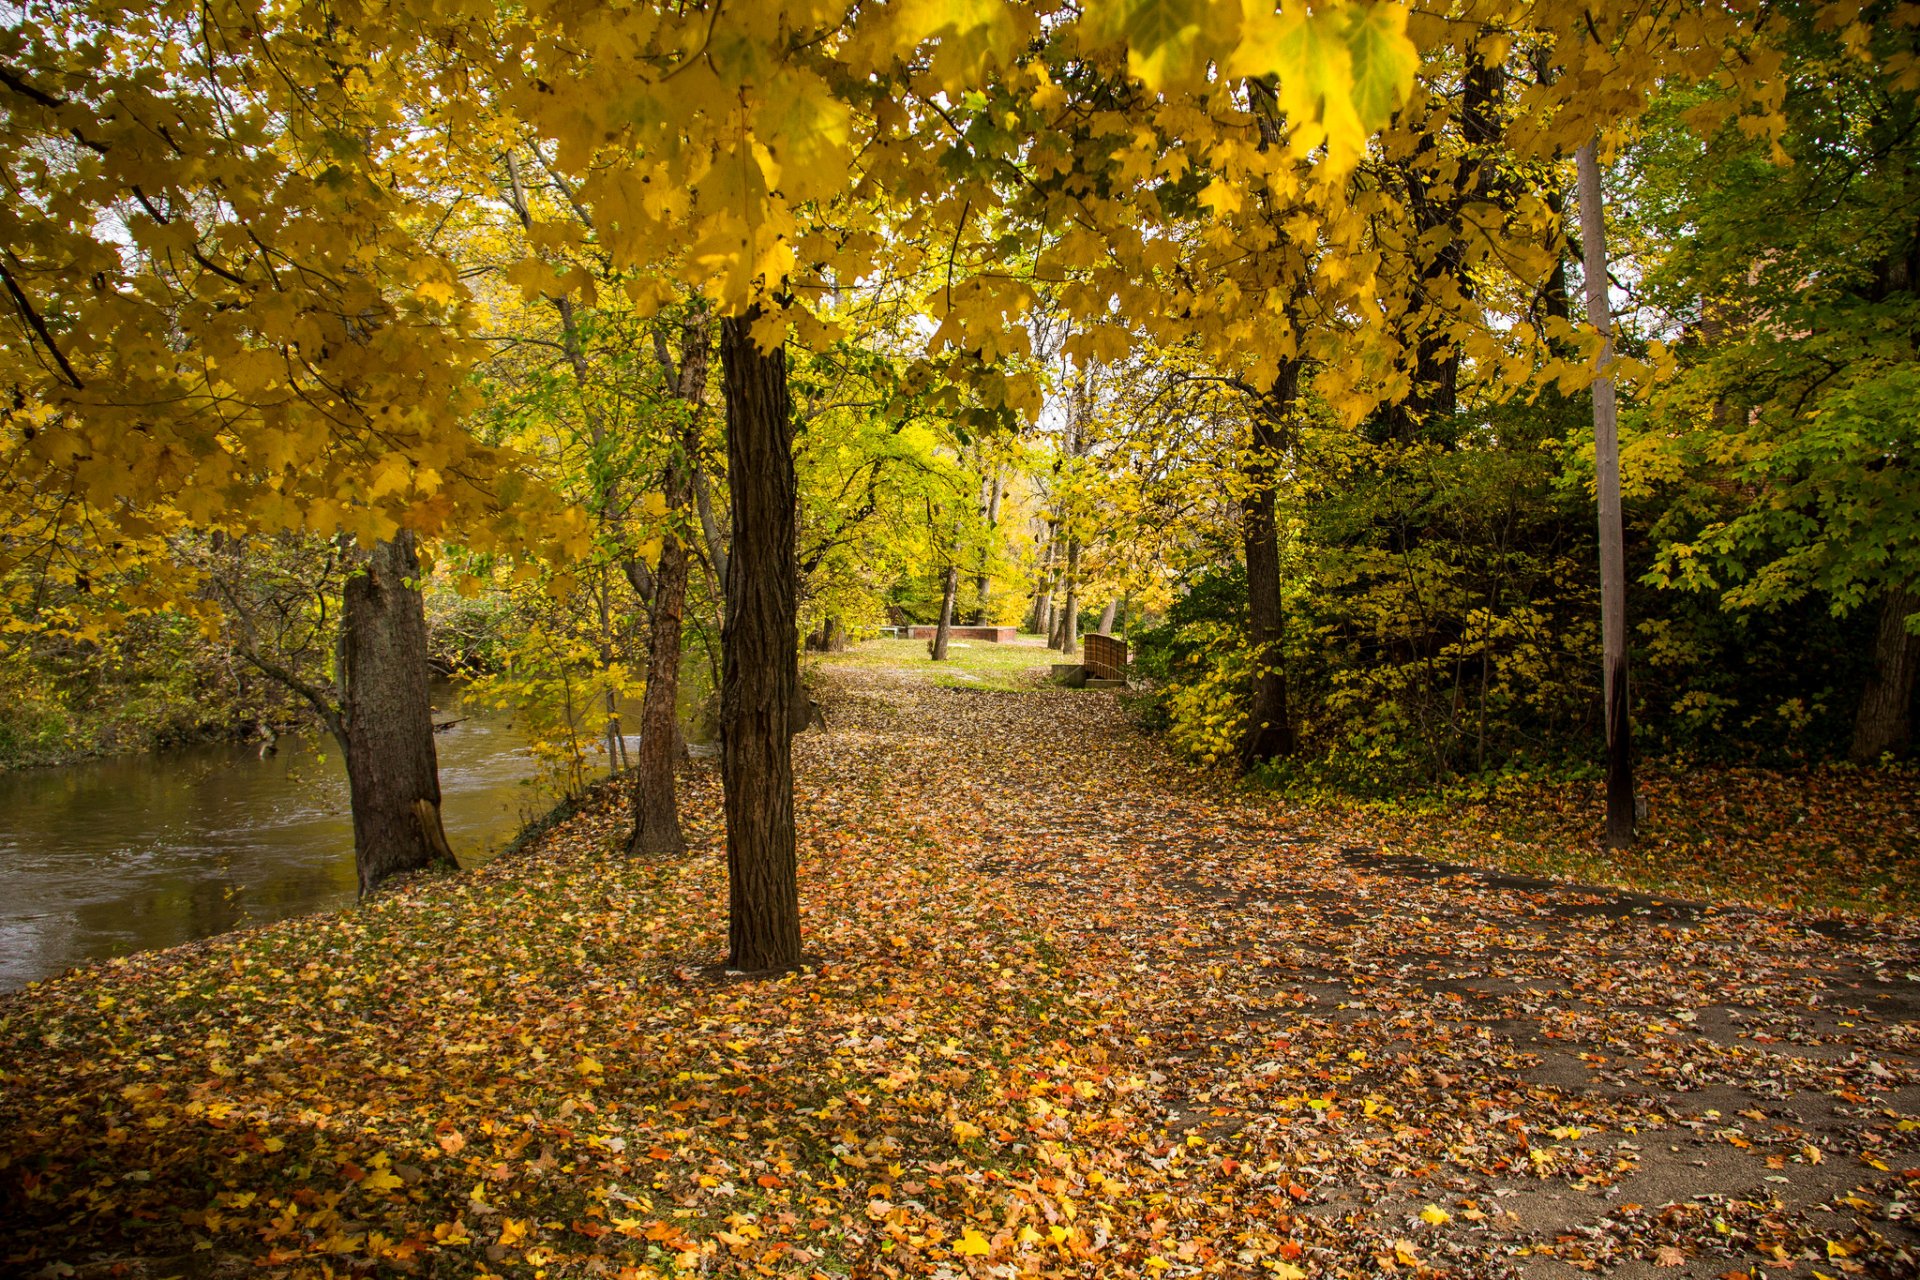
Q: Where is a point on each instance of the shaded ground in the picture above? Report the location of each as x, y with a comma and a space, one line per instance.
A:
1073, 1010
1818, 837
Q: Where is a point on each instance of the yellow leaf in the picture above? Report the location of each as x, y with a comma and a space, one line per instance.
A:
435, 292
1434, 1215
381, 1181
1222, 197
1384, 61
533, 277
1161, 35
770, 330
806, 130
972, 1243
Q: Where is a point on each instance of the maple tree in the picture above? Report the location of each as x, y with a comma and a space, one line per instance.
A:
1259, 317
240, 298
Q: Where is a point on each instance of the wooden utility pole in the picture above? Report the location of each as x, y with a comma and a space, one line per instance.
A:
1606, 465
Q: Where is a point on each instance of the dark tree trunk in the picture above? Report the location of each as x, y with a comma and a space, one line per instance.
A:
392, 774
1884, 721
828, 637
1553, 302
943, 632
1106, 617
761, 676
1439, 191
1269, 734
1606, 465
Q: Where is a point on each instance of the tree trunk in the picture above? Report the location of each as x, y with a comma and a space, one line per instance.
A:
392, 774
761, 674
656, 806
1040, 617
1106, 617
1606, 459
983, 580
1269, 733
1884, 722
944, 630
1439, 190
1070, 606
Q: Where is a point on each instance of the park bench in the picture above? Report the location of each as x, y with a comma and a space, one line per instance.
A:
1102, 665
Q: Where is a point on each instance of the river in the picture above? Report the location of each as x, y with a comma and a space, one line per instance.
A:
107, 857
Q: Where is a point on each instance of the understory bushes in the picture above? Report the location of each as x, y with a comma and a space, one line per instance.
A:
1443, 622
156, 684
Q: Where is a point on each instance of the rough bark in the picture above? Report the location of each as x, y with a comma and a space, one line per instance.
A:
1106, 617
1269, 733
761, 677
392, 774
656, 806
1613, 560
1883, 723
944, 630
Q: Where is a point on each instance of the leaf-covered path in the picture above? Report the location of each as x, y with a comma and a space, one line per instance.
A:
1073, 1010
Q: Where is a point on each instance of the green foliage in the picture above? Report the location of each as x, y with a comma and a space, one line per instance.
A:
155, 682
1442, 624
1788, 440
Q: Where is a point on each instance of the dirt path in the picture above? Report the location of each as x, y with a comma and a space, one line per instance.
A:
1071, 1010
1576, 1079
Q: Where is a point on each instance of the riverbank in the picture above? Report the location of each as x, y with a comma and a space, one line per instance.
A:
1072, 1008
39, 734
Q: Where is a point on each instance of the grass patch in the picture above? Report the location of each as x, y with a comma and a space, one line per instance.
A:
970, 664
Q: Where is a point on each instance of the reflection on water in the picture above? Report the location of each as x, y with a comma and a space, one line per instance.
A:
113, 856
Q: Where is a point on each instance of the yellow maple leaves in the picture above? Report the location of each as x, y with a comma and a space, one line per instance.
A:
972, 1244
1339, 69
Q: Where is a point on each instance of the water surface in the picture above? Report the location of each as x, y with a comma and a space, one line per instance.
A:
108, 857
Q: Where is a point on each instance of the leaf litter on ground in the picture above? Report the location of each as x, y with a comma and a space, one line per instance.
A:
1071, 1008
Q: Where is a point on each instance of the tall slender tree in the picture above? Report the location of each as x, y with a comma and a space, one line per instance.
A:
656, 810
1269, 729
